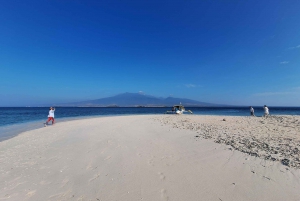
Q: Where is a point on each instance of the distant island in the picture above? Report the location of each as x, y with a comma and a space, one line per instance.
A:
138, 100
114, 105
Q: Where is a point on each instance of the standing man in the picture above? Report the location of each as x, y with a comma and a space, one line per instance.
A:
266, 109
251, 111
50, 116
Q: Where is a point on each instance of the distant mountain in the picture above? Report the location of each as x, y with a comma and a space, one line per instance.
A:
139, 100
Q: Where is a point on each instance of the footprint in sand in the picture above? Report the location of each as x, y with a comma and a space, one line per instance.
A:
89, 166
30, 193
161, 176
164, 195
64, 182
151, 161
97, 176
107, 158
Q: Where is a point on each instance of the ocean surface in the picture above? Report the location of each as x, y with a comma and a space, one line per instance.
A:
15, 120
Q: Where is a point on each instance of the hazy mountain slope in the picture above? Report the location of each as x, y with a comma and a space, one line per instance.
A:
137, 99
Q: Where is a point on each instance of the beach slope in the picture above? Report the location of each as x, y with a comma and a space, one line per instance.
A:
152, 157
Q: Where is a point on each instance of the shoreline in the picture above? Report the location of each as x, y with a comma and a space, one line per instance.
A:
140, 157
13, 130
19, 128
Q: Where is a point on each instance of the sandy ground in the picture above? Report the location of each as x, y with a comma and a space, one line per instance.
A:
275, 138
153, 157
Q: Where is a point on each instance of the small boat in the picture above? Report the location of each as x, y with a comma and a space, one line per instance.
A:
178, 109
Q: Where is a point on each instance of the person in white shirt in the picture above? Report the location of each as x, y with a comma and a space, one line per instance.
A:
266, 109
251, 111
50, 116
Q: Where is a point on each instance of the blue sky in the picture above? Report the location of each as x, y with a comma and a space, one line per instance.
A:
227, 52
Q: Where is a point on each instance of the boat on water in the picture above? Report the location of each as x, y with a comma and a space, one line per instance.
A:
178, 109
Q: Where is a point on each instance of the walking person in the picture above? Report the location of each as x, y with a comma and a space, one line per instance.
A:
50, 116
266, 109
251, 111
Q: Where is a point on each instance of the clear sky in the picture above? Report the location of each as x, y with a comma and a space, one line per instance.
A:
217, 51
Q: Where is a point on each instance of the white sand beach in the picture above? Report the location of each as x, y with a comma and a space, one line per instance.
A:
155, 157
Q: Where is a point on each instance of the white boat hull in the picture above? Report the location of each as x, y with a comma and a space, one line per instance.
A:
179, 111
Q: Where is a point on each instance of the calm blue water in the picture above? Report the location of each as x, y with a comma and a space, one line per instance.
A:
18, 119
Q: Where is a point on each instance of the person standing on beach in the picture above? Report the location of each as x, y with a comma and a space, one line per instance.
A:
251, 111
50, 116
266, 109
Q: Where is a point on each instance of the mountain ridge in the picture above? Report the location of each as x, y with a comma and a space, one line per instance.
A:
139, 100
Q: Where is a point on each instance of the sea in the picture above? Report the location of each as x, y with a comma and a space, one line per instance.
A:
15, 120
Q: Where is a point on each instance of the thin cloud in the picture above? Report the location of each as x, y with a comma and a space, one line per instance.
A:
291, 48
273, 93
192, 85
284, 62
